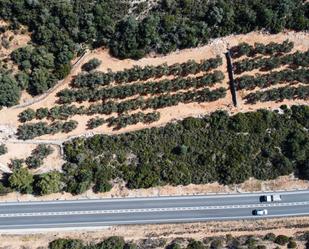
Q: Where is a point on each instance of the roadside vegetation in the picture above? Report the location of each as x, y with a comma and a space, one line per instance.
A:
270, 240
60, 31
216, 148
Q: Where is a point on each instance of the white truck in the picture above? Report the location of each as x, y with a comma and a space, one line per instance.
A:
270, 198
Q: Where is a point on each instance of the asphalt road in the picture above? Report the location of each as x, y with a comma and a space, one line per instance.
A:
92, 213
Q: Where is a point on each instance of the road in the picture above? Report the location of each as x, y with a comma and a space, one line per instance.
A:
107, 212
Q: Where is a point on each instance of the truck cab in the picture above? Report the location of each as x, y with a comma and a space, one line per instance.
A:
270, 198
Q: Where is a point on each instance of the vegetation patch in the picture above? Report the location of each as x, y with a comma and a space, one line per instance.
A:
61, 31
228, 241
220, 148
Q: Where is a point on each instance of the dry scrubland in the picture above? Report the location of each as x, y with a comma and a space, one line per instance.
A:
20, 149
161, 235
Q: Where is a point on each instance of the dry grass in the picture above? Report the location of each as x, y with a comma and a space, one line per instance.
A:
167, 232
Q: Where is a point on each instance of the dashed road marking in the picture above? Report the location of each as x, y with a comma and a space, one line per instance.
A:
144, 210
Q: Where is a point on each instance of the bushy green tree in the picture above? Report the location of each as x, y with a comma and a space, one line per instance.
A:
26, 115
49, 183
193, 244
9, 90
281, 240
66, 244
40, 81
21, 180
91, 65
113, 243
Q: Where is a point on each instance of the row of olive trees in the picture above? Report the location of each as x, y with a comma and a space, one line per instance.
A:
297, 59
204, 95
273, 78
162, 101
279, 94
144, 73
63, 112
124, 120
271, 48
32, 130
164, 86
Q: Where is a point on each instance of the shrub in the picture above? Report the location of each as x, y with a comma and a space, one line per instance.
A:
9, 90
26, 115
216, 244
4, 190
113, 243
261, 247
270, 236
69, 126
42, 151
49, 183
34, 162
281, 240
66, 244
292, 244
91, 65
173, 246
95, 122
41, 113
16, 164
193, 244
21, 180
3, 149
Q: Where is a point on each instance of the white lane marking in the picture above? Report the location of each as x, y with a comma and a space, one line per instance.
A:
169, 220
143, 210
128, 199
